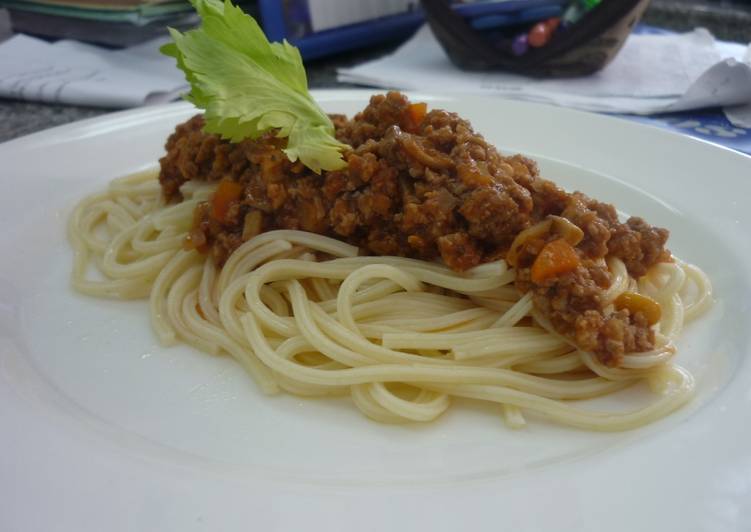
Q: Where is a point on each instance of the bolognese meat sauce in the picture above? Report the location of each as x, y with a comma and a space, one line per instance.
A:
423, 184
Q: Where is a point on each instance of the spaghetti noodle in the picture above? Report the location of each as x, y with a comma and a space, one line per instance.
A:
305, 314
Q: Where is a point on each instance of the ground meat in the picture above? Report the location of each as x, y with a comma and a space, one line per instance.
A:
596, 227
193, 154
433, 190
458, 251
613, 335
638, 245
574, 302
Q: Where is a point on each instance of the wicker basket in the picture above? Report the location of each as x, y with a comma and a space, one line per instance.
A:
584, 48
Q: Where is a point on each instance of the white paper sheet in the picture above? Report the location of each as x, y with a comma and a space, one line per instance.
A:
76, 73
651, 74
328, 14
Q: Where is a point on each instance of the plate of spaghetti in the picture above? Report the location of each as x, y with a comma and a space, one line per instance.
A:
430, 268
394, 310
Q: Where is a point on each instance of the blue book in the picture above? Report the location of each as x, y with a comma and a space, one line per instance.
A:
319, 32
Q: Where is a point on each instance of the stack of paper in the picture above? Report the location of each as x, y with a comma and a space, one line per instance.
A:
114, 22
137, 12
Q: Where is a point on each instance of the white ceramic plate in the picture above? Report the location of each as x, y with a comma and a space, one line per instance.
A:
101, 429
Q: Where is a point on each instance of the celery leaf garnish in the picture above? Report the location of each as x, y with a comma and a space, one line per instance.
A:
247, 85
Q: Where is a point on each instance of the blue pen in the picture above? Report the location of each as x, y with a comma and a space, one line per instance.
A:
487, 22
479, 9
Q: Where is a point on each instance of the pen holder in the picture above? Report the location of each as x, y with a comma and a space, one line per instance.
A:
581, 49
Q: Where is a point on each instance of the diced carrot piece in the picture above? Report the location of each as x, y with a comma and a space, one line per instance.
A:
415, 115
227, 192
556, 257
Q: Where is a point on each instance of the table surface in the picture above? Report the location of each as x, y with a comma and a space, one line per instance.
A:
727, 19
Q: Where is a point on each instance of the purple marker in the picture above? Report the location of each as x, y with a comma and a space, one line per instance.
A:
520, 45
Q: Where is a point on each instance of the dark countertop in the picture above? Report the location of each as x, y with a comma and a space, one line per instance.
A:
726, 19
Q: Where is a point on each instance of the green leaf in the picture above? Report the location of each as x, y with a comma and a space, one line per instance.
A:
248, 86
